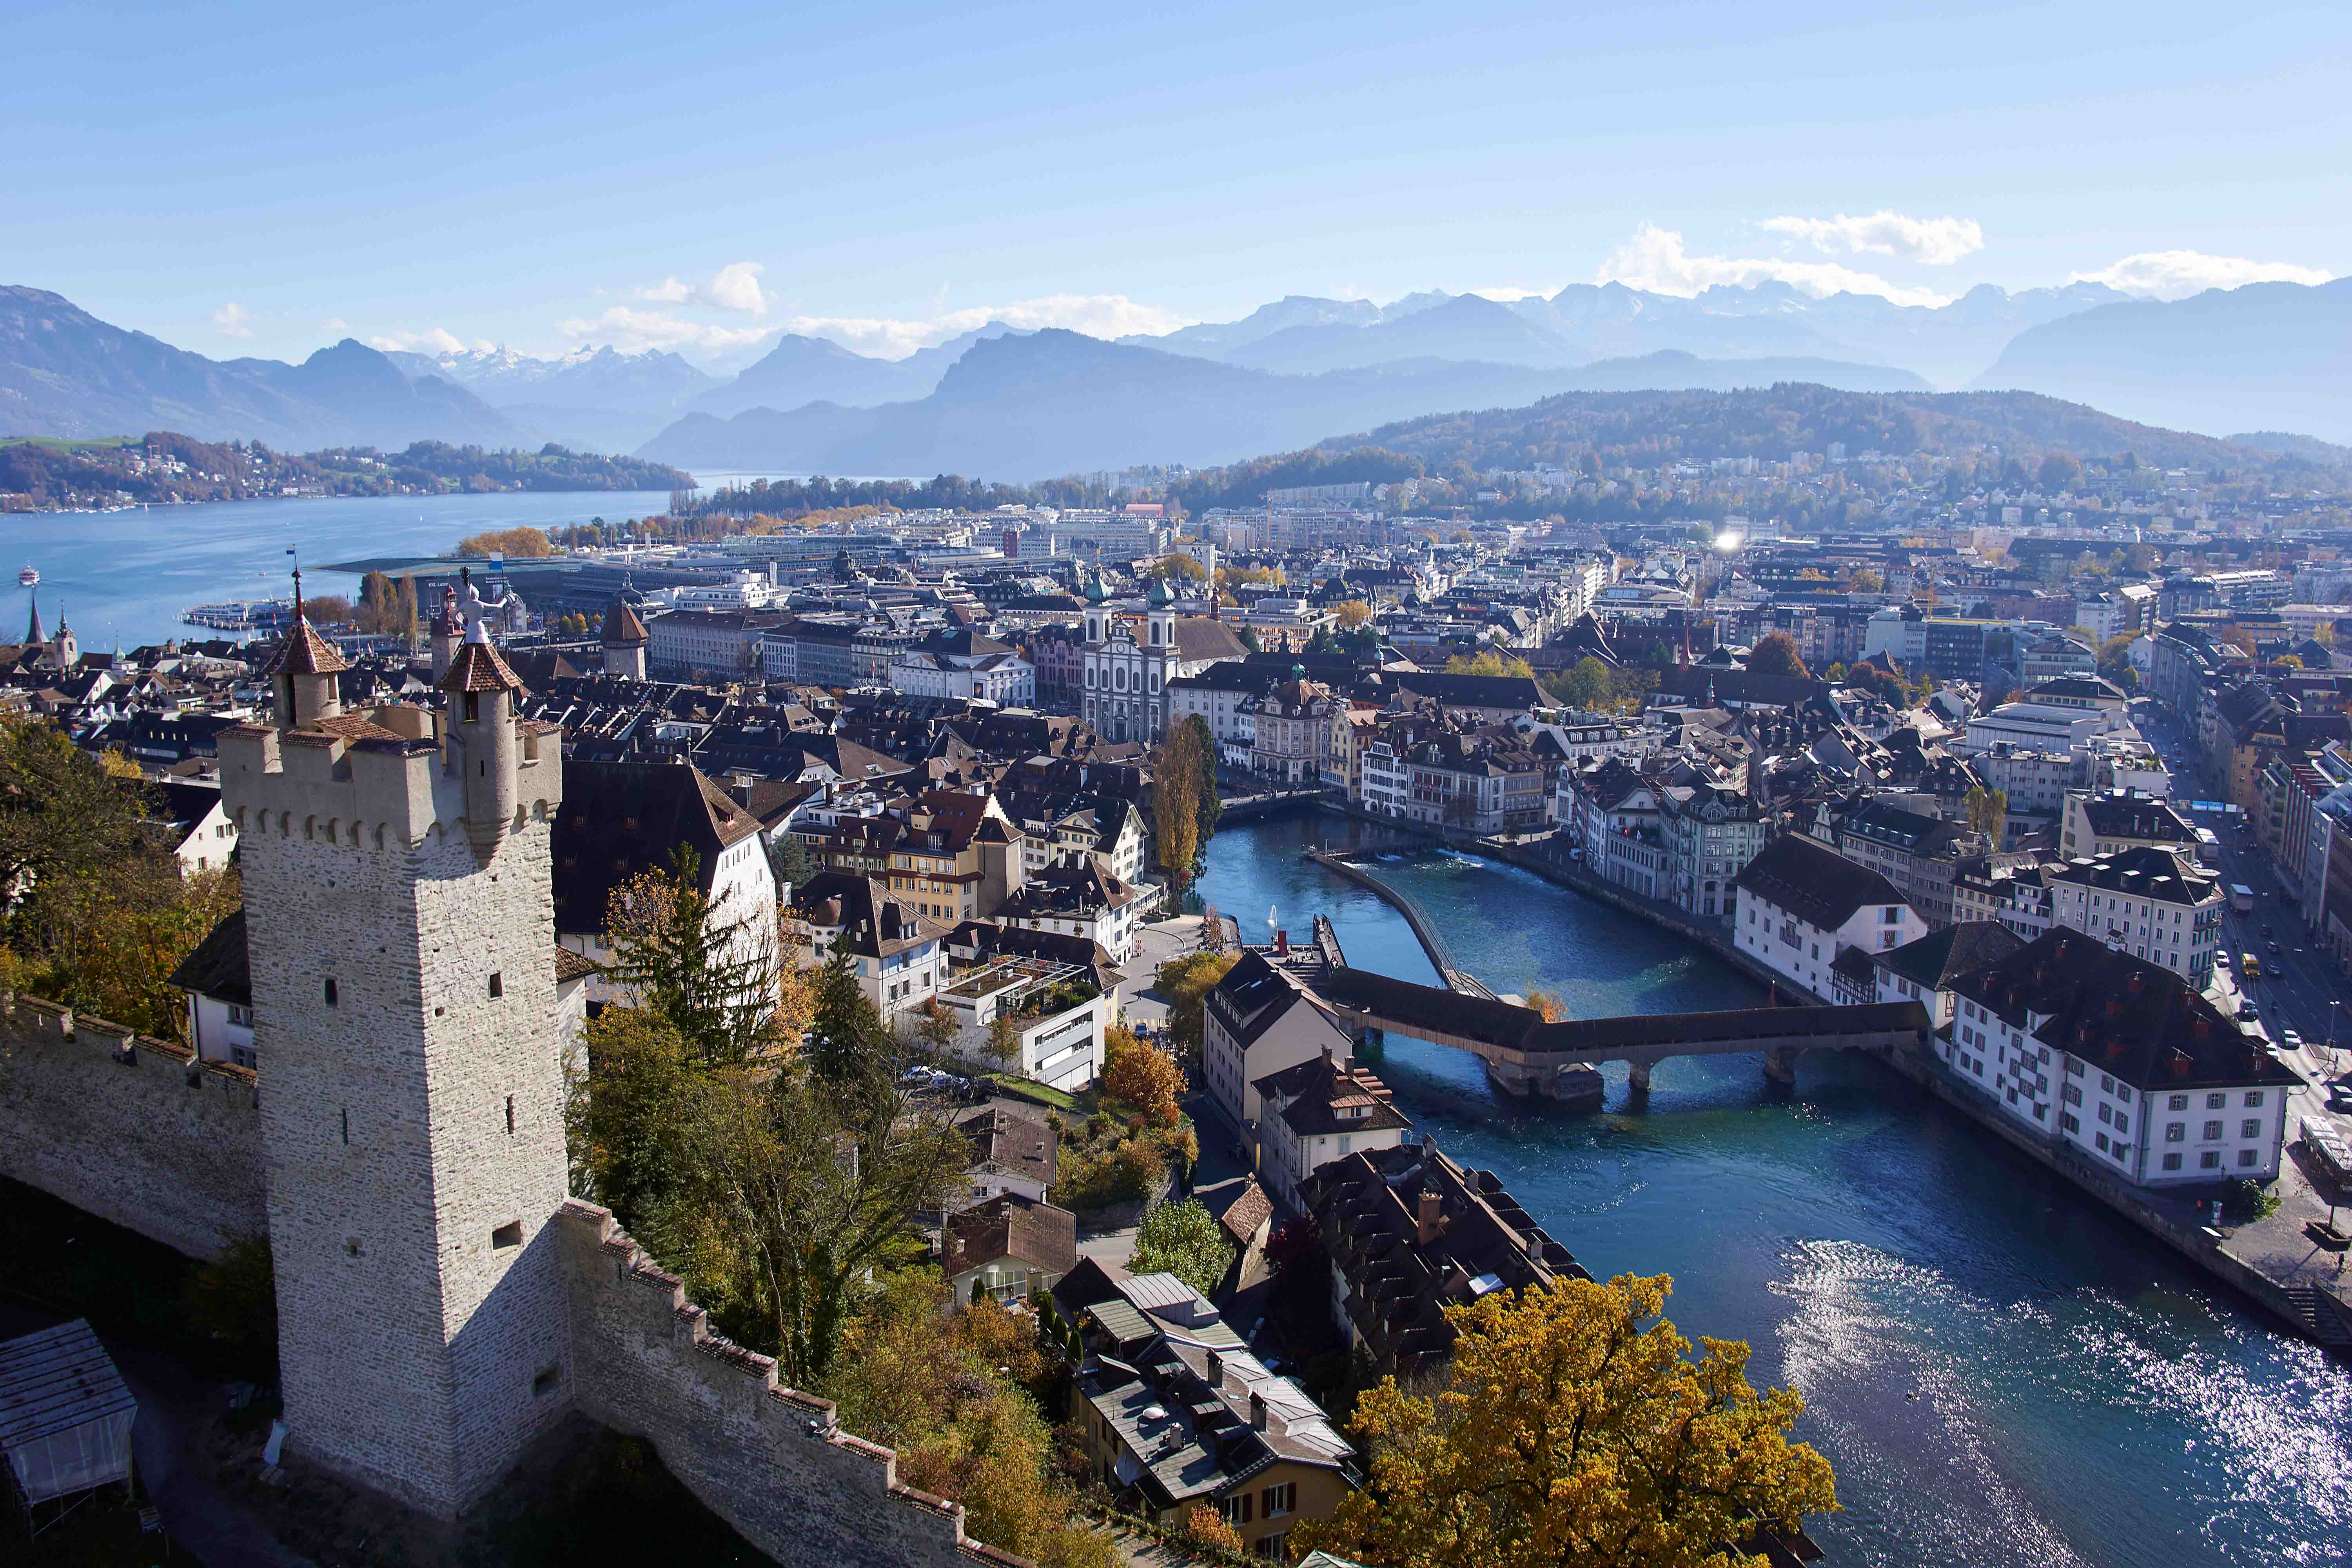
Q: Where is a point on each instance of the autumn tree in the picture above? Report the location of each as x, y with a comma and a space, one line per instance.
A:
2059, 471
942, 1388
1575, 1429
1205, 1528
1488, 662
101, 913
514, 543
1183, 1239
1184, 797
1186, 982
1986, 810
1545, 1005
1003, 1046
1178, 568
1776, 654
1146, 1081
1352, 613
1865, 581
1583, 685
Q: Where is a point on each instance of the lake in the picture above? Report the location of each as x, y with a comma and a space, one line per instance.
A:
130, 576
2000, 1372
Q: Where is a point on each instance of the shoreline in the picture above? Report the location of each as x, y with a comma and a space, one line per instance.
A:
2316, 1320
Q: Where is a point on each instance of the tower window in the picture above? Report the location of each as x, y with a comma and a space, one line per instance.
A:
497, 986
473, 707
508, 1234
544, 1382
510, 1116
347, 1126
331, 993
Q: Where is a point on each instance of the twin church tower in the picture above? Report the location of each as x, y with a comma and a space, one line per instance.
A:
401, 933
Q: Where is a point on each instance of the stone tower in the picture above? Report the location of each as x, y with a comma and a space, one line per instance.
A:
67, 649
624, 640
402, 934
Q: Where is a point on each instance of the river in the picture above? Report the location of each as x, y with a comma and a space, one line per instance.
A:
129, 576
2000, 1372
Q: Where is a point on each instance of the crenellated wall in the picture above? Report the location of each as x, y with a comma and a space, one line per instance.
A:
133, 1130
772, 1461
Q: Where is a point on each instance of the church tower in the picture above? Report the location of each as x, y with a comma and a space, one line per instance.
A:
401, 933
67, 649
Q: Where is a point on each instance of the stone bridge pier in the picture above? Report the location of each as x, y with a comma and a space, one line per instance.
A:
1780, 1064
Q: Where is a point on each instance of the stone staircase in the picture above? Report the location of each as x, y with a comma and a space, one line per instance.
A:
2322, 1315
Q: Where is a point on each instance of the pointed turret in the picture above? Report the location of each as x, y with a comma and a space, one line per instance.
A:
33, 633
302, 676
447, 631
482, 695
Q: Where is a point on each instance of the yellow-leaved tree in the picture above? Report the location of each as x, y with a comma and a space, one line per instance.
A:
1577, 1432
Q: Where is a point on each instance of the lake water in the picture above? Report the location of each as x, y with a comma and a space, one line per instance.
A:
129, 576
2000, 1372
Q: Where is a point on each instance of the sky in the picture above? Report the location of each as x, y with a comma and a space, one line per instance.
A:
266, 179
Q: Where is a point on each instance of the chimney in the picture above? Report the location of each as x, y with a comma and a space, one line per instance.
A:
2115, 1006
1216, 1371
1281, 944
1258, 1411
2133, 984
1430, 1220
2180, 1064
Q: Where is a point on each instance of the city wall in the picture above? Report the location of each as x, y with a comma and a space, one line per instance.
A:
133, 1130
772, 1461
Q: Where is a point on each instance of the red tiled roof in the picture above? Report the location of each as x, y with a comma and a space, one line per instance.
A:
479, 668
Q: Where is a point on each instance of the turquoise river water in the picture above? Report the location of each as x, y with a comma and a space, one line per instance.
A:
2000, 1372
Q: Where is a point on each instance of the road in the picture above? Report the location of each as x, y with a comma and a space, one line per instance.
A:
2301, 987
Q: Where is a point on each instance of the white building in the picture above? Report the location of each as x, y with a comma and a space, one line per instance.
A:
1319, 1111
2156, 904
2109, 1056
965, 665
1799, 903
1258, 1020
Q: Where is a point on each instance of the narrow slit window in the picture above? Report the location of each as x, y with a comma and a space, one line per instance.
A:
497, 986
510, 1116
331, 994
508, 1234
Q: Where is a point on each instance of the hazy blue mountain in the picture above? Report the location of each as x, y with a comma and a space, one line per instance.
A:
2289, 444
1216, 339
1586, 321
63, 372
1057, 401
2265, 356
594, 399
1465, 328
802, 369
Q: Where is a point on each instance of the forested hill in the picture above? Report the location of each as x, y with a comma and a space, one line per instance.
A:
1640, 429
165, 466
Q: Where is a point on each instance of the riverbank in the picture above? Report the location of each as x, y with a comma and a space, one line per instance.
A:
2272, 1261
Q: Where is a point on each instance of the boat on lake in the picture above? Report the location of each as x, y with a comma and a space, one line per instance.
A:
28, 576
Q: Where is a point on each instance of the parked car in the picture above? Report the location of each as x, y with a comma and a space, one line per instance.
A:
2290, 1039
2249, 1014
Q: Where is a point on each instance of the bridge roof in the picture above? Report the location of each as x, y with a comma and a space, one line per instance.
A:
1408, 1005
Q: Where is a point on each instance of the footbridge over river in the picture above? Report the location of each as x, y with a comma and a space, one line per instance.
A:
1527, 1054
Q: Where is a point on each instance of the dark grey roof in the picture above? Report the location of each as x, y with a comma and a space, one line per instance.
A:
1816, 884
219, 967
1933, 961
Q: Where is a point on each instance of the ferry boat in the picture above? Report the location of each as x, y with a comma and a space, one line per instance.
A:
28, 576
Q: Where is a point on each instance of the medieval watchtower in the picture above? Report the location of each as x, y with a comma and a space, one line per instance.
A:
402, 937
624, 640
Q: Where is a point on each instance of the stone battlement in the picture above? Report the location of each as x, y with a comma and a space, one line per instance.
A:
770, 1460
382, 780
131, 1128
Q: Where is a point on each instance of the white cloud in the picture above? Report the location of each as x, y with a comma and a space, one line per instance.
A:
630, 331
1657, 260
1096, 315
734, 287
333, 324
435, 341
1934, 241
2176, 274
232, 320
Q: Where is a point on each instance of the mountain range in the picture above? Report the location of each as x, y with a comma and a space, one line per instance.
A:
1025, 407
63, 372
999, 401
